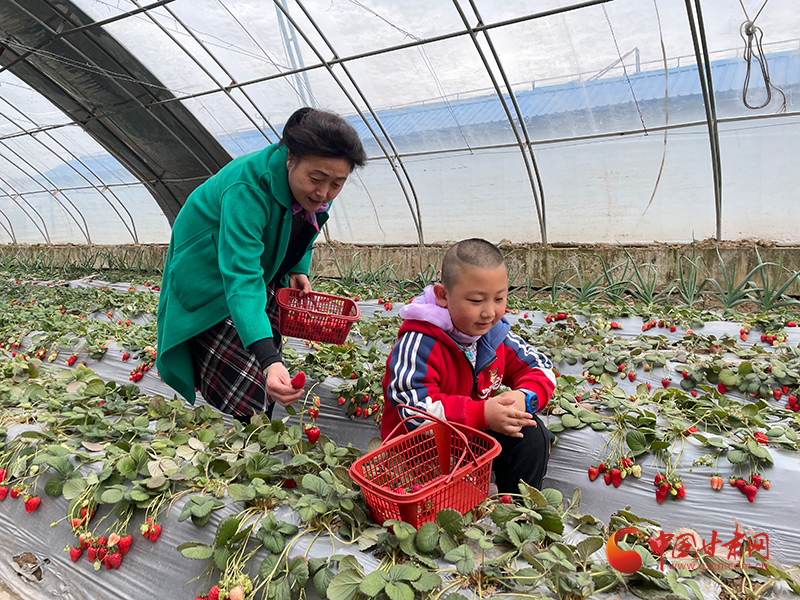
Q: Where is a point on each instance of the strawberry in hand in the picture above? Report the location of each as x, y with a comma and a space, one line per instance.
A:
299, 380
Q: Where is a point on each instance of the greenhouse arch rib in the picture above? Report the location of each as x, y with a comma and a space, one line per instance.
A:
161, 143
698, 32
536, 184
416, 217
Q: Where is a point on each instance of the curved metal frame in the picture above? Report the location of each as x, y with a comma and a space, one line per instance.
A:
538, 192
416, 218
131, 228
707, 86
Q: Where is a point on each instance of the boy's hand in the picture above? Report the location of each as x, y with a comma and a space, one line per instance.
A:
505, 413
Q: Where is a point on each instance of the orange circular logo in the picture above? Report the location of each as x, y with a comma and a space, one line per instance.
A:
624, 561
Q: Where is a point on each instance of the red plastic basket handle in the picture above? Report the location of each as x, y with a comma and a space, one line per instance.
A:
427, 415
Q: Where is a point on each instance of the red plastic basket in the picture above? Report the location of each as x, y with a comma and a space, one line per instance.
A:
318, 317
451, 462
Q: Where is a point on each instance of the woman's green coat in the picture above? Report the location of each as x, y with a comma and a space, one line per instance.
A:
227, 243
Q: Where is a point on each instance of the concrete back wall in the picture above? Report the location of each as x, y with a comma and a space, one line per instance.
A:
527, 264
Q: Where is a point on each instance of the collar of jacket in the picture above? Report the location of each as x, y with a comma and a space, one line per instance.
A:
487, 344
279, 176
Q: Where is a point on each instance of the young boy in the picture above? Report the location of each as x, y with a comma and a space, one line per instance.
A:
454, 351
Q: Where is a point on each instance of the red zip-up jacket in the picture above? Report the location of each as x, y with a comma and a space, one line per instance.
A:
428, 370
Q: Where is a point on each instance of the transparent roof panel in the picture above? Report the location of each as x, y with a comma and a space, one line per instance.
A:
58, 185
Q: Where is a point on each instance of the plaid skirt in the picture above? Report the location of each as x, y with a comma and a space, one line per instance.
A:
228, 375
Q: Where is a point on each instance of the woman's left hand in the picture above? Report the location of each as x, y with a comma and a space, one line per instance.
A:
299, 281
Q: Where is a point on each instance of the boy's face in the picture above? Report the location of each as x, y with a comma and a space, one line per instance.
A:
478, 301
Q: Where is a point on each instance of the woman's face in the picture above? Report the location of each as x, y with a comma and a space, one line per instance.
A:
316, 180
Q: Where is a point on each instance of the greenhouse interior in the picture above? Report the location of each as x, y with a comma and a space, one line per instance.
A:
313, 213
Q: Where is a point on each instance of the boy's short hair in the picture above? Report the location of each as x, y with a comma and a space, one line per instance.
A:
474, 252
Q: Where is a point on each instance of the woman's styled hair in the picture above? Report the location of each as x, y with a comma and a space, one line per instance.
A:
312, 131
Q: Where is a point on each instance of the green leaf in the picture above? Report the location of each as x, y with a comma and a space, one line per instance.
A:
74, 487
589, 546
450, 520
221, 556
298, 567
427, 582
226, 530
637, 442
554, 497
240, 492
405, 571
344, 585
54, 486
570, 421
427, 537
502, 513
60, 464
322, 579
127, 468
463, 558
737, 456
196, 550
112, 496
373, 584
399, 591
95, 387
316, 484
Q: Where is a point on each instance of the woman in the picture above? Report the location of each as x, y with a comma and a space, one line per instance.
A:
243, 233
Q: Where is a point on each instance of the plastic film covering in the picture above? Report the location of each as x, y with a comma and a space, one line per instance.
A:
161, 567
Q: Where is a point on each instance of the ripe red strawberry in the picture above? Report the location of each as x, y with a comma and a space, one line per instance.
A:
3, 492
740, 483
299, 380
693, 393
616, 477
593, 473
341, 400
681, 491
662, 492
75, 553
114, 559
721, 388
213, 593
15, 492
124, 543
672, 328
755, 480
101, 542
665, 383
102, 551
777, 394
155, 531
126, 356
750, 491
631, 375
2, 475
32, 503
359, 410
505, 499
659, 480
91, 553
313, 413
288, 483
312, 433
601, 467
766, 484
607, 478
785, 389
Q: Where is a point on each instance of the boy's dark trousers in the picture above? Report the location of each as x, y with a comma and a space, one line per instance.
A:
522, 458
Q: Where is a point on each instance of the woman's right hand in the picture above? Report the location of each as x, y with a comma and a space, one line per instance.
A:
279, 385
